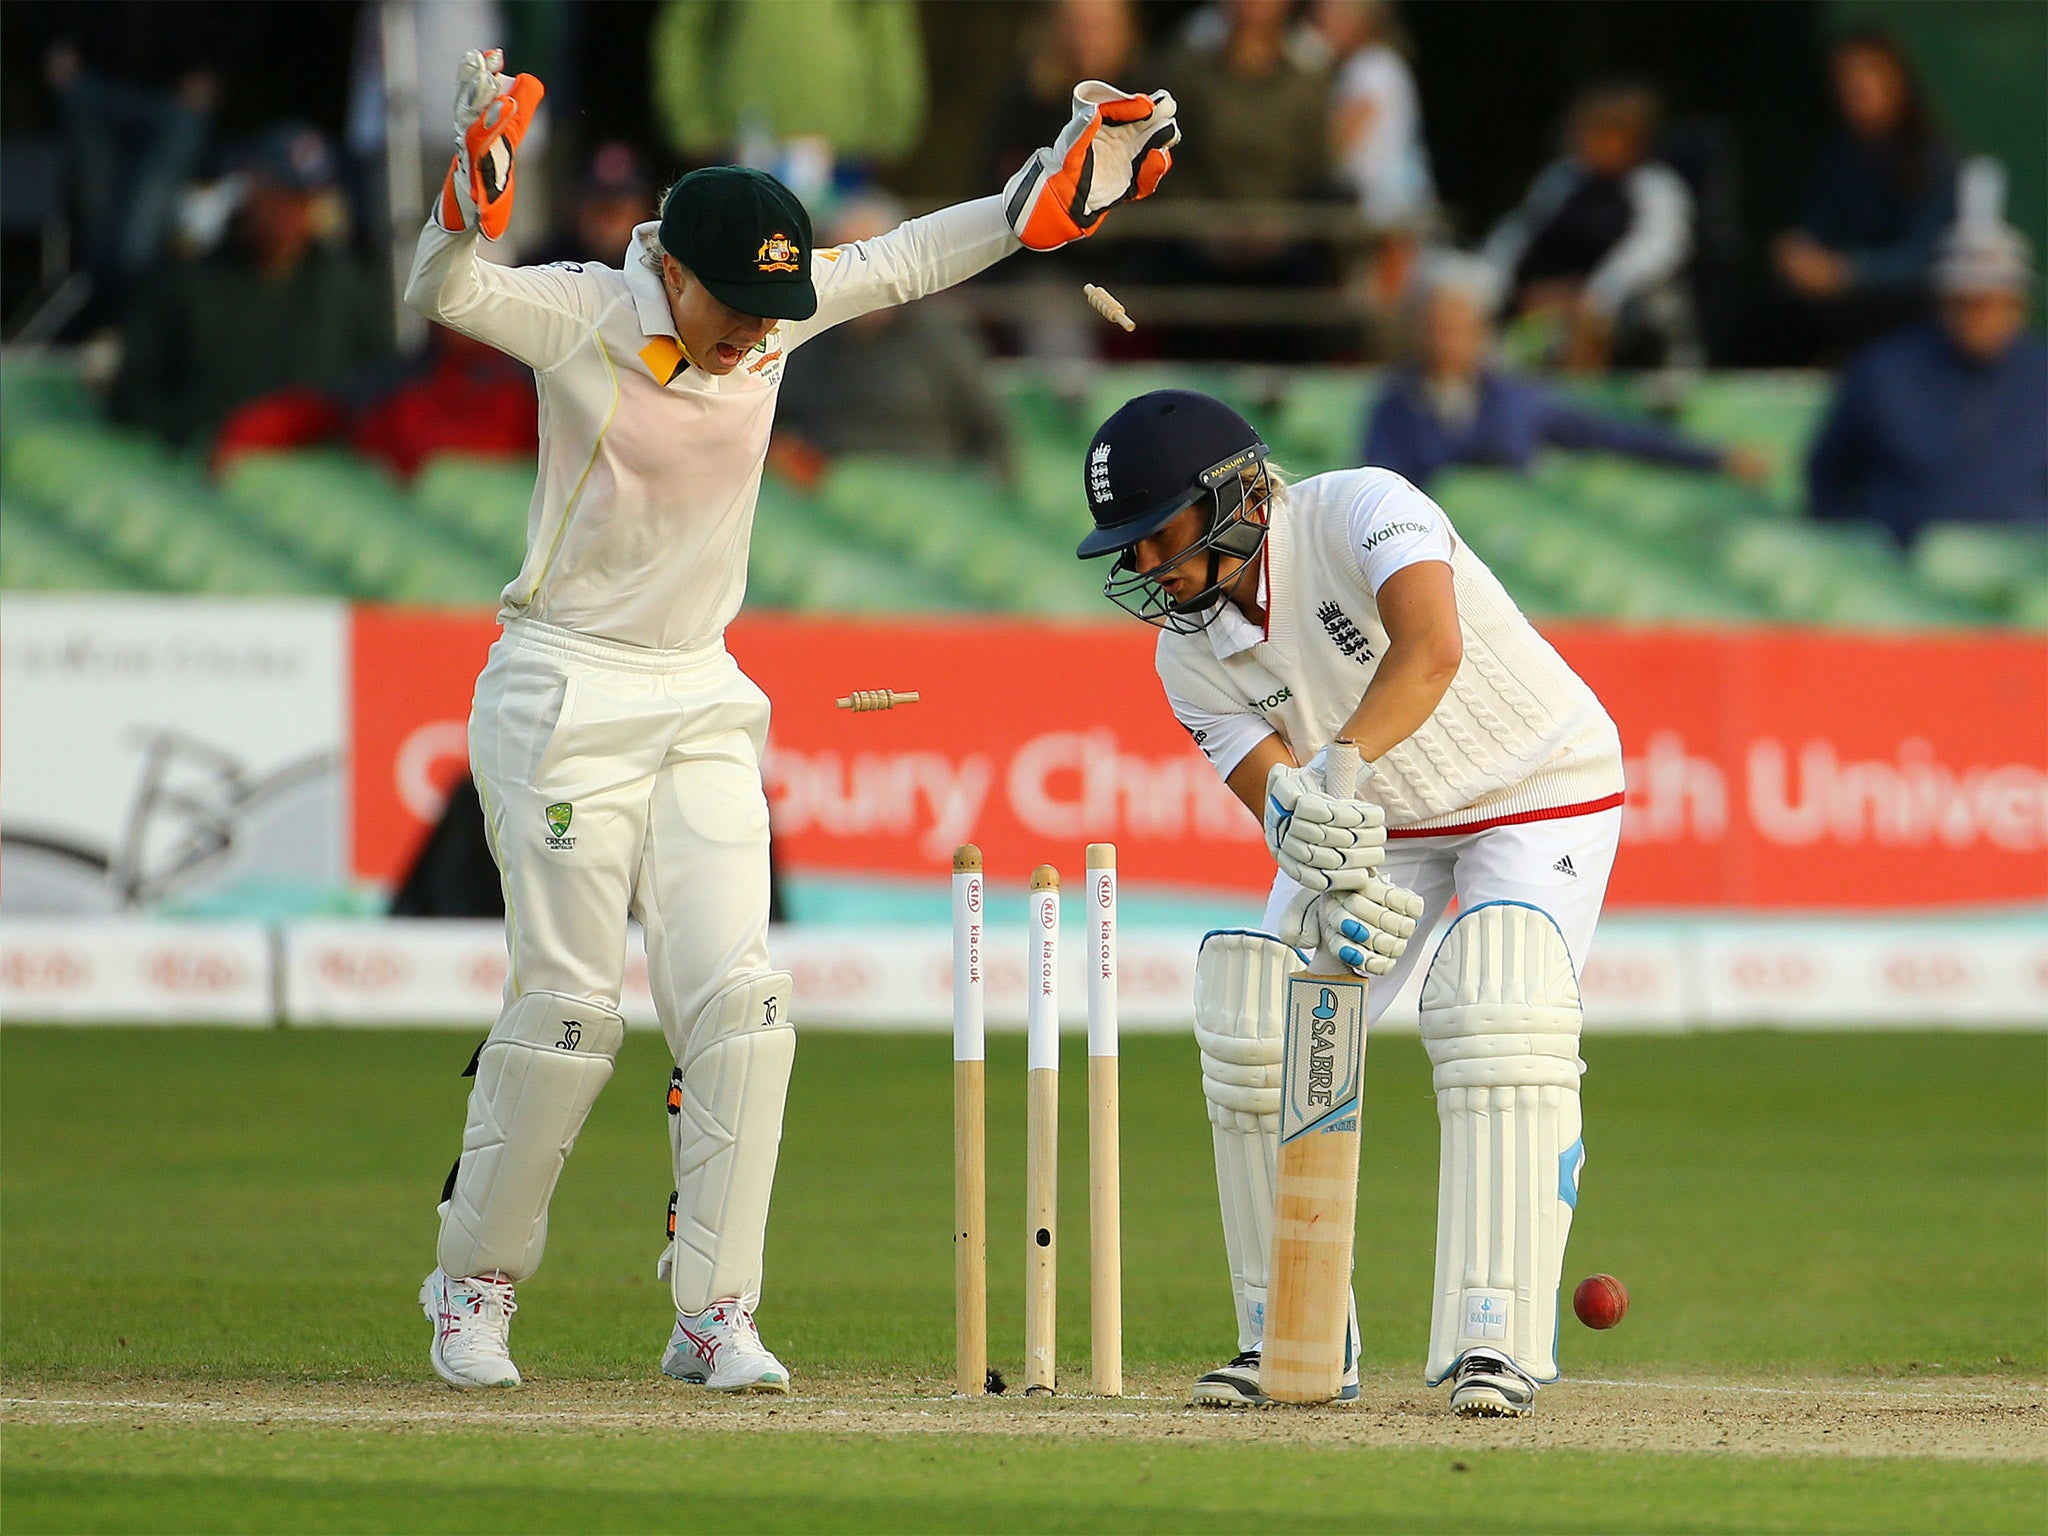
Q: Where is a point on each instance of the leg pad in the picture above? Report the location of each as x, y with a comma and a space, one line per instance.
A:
536, 1078
725, 1130
1240, 1014
1501, 1022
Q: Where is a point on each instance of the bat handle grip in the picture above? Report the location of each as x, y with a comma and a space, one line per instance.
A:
1340, 778
1340, 769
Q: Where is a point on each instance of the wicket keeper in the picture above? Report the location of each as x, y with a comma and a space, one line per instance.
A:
615, 743
1347, 606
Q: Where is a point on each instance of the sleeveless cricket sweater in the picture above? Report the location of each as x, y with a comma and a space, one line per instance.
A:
1518, 735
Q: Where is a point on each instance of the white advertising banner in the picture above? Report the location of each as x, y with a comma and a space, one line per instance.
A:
402, 972
1892, 975
399, 973
169, 749
139, 972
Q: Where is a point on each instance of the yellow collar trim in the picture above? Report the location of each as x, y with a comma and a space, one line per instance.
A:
665, 358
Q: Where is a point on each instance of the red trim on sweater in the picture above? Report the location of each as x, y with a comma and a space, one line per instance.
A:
1549, 813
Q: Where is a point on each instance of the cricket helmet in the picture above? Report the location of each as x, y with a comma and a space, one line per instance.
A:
1154, 458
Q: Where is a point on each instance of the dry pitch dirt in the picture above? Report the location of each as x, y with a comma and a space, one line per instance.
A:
1988, 1419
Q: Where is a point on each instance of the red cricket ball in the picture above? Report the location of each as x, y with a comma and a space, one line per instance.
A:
1601, 1301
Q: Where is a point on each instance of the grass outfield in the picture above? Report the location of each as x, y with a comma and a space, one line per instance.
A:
201, 1215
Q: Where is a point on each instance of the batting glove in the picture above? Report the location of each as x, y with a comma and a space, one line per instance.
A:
1319, 841
491, 117
1116, 146
1366, 929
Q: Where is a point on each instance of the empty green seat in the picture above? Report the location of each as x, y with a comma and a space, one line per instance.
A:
482, 500
37, 556
1990, 566
1319, 421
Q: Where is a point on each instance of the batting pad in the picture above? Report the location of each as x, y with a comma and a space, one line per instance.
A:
1501, 1021
536, 1077
1240, 1017
725, 1129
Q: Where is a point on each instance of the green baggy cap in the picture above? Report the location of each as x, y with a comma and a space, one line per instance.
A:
746, 237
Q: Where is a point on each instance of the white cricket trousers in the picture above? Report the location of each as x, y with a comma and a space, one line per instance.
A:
1558, 865
616, 781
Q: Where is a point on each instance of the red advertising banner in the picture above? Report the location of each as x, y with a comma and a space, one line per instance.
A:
411, 674
1766, 768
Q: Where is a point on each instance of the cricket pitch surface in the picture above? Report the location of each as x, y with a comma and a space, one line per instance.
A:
1981, 1420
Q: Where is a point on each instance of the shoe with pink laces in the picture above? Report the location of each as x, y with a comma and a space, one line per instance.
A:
472, 1330
719, 1348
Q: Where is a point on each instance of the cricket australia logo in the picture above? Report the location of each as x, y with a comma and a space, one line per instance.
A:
1344, 634
559, 816
776, 254
1098, 474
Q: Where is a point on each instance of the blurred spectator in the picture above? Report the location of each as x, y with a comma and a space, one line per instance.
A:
1066, 42
1879, 197
1070, 41
1253, 102
132, 145
1451, 403
613, 196
1946, 420
909, 380
744, 78
464, 397
1253, 95
1600, 242
1375, 115
437, 33
276, 307
1376, 139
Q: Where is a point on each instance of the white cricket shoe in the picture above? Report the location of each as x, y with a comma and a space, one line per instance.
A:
719, 1348
472, 1330
1487, 1387
1236, 1385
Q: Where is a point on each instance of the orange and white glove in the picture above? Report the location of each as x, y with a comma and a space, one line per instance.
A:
491, 117
1116, 146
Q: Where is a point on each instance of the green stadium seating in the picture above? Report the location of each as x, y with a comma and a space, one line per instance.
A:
1775, 412
39, 556
1321, 415
120, 495
1989, 566
341, 514
92, 507
483, 501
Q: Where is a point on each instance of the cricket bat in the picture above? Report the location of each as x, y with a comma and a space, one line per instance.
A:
1308, 1298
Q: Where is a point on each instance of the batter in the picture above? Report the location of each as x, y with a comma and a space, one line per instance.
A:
1347, 606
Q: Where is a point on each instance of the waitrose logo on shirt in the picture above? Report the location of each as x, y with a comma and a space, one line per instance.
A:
1380, 536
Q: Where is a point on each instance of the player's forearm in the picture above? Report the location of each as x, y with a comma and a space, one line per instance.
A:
919, 257
1412, 679
530, 313
443, 284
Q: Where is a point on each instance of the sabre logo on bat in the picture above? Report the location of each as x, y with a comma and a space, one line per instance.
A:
1323, 1076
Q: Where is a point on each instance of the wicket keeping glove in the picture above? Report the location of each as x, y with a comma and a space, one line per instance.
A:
1366, 929
1319, 841
1116, 146
491, 117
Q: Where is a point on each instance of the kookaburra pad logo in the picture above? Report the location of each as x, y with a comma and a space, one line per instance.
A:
572, 1036
559, 816
776, 254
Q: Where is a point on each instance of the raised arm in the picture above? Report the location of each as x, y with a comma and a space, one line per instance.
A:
536, 314
1117, 146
